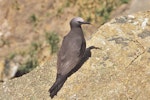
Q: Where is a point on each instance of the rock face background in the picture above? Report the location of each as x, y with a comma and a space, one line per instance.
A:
120, 70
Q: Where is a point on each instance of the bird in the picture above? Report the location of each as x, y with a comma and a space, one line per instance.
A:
70, 54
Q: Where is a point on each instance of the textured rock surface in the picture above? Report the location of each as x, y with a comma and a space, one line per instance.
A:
120, 70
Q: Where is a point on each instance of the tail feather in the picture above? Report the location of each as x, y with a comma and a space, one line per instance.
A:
60, 80
56, 89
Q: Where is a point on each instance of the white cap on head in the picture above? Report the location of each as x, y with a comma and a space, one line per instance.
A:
78, 19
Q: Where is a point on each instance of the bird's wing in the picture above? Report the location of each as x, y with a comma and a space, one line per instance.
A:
69, 55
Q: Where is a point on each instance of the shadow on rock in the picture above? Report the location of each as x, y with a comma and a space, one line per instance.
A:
86, 56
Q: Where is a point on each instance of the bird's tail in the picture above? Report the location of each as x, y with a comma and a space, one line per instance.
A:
60, 80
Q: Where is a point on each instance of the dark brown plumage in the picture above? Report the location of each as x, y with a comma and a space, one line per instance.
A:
70, 54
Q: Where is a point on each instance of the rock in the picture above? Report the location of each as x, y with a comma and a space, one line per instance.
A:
120, 70
9, 67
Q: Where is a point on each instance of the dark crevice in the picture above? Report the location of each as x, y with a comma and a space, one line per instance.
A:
143, 51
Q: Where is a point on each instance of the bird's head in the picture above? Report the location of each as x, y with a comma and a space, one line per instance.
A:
77, 21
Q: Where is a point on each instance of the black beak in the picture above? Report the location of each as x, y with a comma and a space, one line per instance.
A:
85, 23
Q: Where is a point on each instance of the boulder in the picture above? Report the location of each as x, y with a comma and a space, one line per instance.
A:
119, 70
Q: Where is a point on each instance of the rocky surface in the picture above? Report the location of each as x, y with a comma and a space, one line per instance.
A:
120, 70
133, 6
138, 5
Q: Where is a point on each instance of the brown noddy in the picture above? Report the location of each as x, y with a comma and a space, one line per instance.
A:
71, 52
